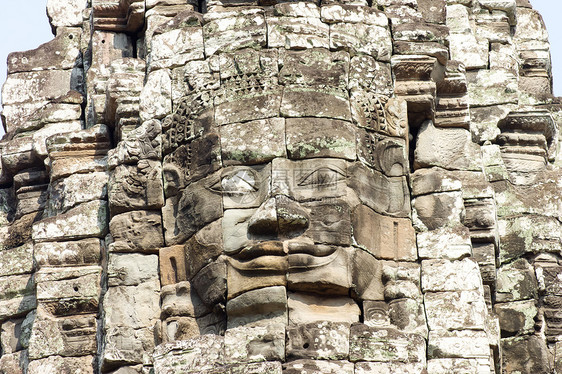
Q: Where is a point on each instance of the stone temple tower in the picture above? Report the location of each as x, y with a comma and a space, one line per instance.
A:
282, 187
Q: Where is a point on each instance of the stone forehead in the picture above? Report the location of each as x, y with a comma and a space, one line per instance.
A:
238, 186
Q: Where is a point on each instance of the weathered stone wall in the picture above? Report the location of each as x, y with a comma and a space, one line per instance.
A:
233, 186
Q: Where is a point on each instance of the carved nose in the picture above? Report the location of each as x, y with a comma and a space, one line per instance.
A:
292, 219
278, 217
263, 222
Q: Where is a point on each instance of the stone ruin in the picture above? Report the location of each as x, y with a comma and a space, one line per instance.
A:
242, 186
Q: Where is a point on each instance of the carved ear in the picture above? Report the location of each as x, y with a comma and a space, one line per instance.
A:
173, 179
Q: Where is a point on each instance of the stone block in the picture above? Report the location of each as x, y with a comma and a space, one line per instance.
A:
36, 86
69, 253
135, 307
521, 235
525, 354
400, 289
31, 199
468, 366
123, 345
19, 232
329, 222
86, 220
253, 142
385, 345
366, 276
211, 283
314, 68
455, 310
438, 210
516, 281
69, 290
179, 328
487, 87
389, 196
172, 47
256, 343
531, 20
365, 71
318, 367
311, 179
156, 96
125, 227
259, 100
386, 237
203, 248
11, 338
372, 40
517, 317
131, 269
427, 181
66, 193
60, 53
447, 242
19, 155
387, 155
66, 336
408, 315
144, 142
311, 137
388, 368
203, 353
308, 308
433, 11
65, 13
458, 344
16, 260
290, 32
302, 101
172, 265
318, 340
14, 363
17, 296
470, 50
62, 365
198, 206
330, 273
124, 191
376, 313
449, 148
263, 306
181, 300
445, 275
130, 314
230, 30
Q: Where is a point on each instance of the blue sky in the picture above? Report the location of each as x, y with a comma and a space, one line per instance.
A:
24, 25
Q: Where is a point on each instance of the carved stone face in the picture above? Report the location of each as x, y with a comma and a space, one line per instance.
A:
305, 182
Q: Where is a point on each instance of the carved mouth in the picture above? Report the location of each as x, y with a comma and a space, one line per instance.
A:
279, 256
269, 248
269, 264
303, 262
316, 250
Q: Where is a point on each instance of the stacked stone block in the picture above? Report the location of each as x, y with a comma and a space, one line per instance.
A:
245, 187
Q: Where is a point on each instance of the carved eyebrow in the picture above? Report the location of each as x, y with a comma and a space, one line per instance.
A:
324, 176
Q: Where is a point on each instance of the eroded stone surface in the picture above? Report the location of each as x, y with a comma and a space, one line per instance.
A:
235, 186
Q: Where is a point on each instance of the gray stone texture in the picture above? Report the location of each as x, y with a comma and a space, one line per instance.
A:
239, 186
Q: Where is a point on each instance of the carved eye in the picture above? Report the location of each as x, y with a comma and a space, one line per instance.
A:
323, 177
239, 182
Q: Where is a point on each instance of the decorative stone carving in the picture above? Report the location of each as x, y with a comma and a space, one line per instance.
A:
239, 186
